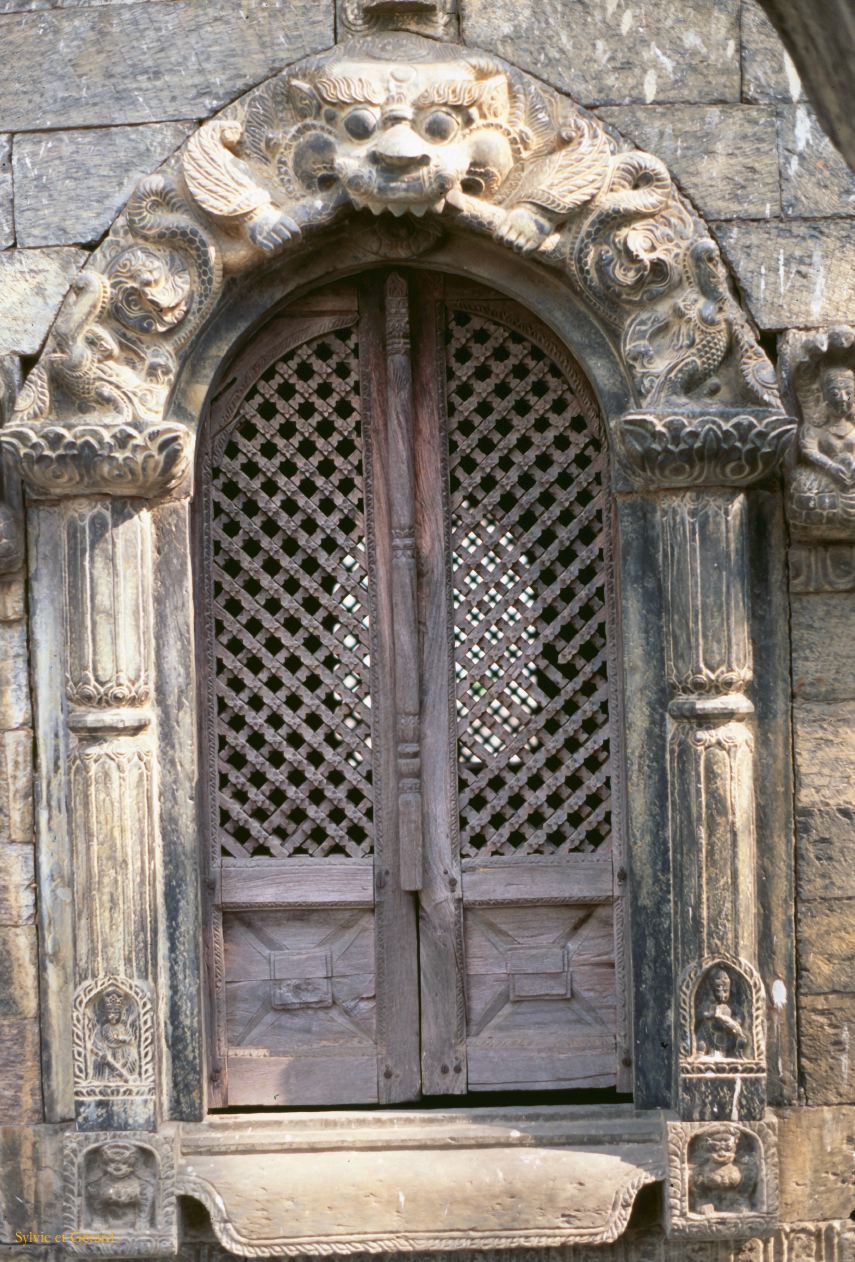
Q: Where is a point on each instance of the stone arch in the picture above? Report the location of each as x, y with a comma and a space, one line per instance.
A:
594, 233
511, 160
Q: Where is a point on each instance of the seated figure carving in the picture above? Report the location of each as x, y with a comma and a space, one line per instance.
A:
719, 1030
823, 485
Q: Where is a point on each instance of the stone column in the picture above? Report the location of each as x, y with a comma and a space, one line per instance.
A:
91, 488
697, 466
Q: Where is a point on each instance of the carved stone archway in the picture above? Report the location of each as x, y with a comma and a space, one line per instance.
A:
437, 142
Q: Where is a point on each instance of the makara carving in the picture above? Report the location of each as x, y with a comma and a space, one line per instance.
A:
818, 374
112, 1040
119, 1195
722, 1178
397, 124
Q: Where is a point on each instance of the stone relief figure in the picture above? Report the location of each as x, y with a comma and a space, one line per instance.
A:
120, 1183
115, 1039
719, 1026
818, 371
722, 1172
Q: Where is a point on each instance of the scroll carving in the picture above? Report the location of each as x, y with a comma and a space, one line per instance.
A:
119, 1195
818, 374
398, 125
112, 1040
722, 1179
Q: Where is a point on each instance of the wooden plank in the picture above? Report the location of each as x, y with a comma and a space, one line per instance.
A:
498, 1070
575, 878
441, 922
309, 1080
297, 883
395, 911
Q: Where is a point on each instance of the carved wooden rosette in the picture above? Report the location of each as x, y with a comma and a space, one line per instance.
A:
711, 789
119, 1195
722, 1179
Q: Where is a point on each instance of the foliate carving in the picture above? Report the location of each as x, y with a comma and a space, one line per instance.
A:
713, 449
427, 17
826, 567
722, 1178
119, 1195
132, 459
402, 125
107, 551
818, 373
722, 1027
112, 1040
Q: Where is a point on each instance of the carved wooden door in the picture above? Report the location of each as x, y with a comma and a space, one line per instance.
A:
407, 627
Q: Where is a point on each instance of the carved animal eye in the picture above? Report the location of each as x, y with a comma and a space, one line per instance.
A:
439, 125
360, 124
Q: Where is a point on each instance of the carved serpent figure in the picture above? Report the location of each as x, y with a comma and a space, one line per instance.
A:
152, 292
640, 186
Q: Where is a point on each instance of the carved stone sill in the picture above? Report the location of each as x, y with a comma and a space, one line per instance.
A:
402, 1182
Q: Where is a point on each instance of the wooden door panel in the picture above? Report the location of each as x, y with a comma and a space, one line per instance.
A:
300, 1006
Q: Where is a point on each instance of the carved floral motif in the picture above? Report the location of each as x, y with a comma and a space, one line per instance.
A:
405, 126
818, 373
727, 450
121, 459
722, 1178
112, 1040
119, 1195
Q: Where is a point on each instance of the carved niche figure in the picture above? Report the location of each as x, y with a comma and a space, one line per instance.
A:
819, 373
113, 1043
722, 1172
719, 1027
721, 1015
120, 1181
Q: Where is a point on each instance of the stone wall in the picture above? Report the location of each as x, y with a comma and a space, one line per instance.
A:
95, 95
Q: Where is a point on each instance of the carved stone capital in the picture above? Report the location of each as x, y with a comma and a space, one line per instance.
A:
817, 372
119, 1195
659, 451
722, 1179
90, 458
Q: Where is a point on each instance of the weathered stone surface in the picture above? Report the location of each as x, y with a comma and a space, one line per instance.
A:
723, 157
20, 1072
19, 993
141, 63
17, 889
768, 73
800, 273
7, 227
815, 180
825, 837
826, 946
14, 676
16, 786
605, 52
54, 206
826, 1041
18, 1162
32, 285
825, 746
821, 619
817, 1177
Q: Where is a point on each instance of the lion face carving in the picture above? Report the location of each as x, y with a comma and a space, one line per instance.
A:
401, 137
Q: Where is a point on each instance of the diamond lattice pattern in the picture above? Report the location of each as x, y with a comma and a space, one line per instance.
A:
526, 478
291, 612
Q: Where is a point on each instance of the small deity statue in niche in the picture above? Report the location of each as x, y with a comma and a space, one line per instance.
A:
719, 1026
722, 1179
120, 1187
822, 490
115, 1037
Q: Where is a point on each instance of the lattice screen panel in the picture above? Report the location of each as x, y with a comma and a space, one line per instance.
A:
526, 477
291, 612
